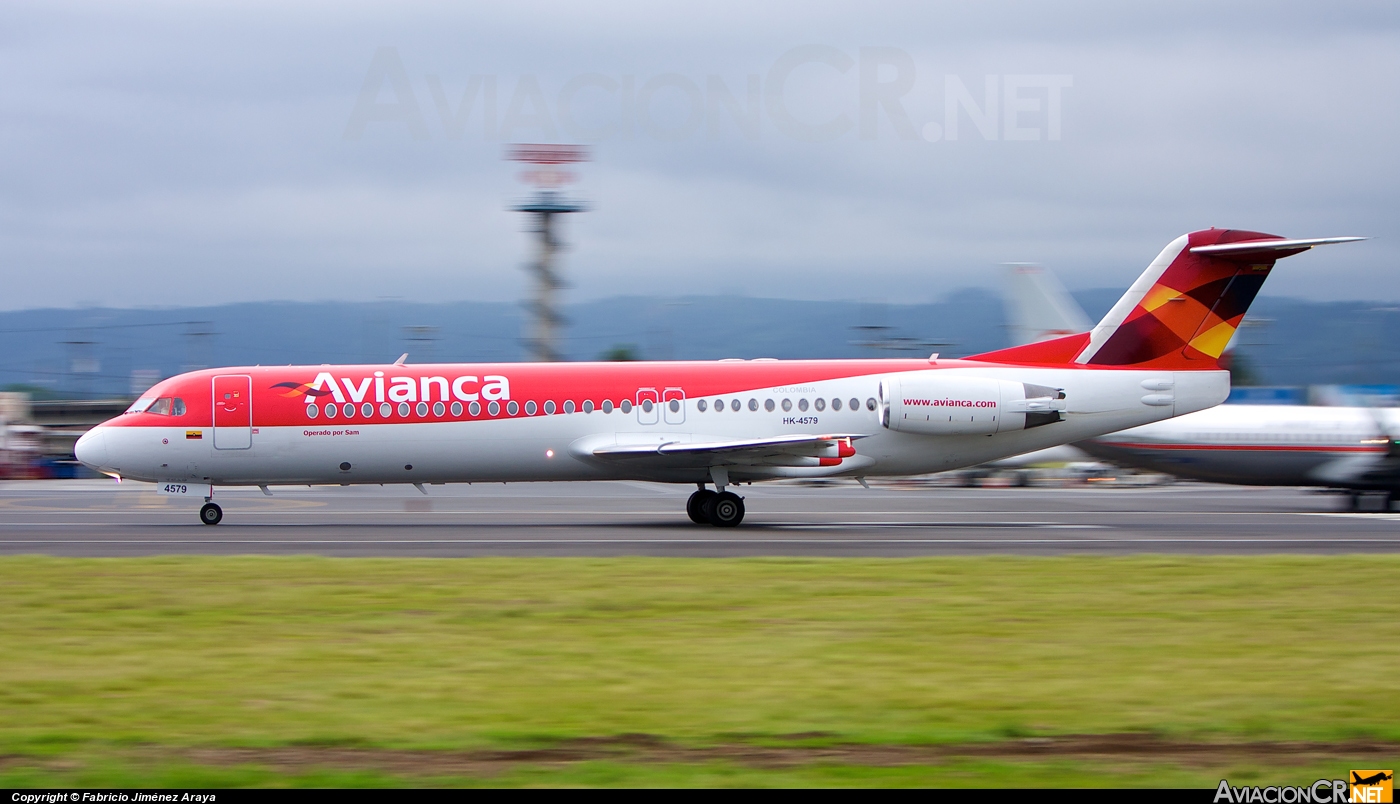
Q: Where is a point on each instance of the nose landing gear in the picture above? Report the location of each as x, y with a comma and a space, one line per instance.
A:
724, 509
211, 514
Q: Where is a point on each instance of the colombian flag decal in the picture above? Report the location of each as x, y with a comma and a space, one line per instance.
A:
194, 435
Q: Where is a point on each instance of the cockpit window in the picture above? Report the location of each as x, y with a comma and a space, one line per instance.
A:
165, 406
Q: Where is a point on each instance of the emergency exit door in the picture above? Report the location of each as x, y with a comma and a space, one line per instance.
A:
673, 405
648, 402
233, 411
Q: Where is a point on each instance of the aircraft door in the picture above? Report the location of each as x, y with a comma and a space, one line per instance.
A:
673, 405
233, 411
648, 404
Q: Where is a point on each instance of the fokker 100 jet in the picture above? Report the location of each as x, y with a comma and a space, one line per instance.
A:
1152, 357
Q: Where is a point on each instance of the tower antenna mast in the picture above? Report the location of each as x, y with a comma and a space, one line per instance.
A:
547, 176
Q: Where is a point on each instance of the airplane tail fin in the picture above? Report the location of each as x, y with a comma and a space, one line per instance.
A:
1183, 310
1038, 306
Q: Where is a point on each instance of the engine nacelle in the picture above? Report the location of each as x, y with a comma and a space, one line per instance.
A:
937, 403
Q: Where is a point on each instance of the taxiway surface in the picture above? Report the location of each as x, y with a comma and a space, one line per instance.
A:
101, 518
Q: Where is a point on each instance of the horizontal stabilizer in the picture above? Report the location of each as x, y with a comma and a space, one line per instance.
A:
1247, 247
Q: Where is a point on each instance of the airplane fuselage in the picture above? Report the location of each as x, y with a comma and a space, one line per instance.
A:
1264, 445
448, 423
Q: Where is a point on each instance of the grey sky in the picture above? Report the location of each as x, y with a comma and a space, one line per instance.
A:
170, 154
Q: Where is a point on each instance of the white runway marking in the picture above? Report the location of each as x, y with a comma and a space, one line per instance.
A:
1359, 515
740, 542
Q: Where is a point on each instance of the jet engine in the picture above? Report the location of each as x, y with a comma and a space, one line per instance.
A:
936, 403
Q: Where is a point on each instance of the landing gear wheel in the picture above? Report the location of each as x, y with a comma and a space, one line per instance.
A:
695, 506
211, 514
725, 510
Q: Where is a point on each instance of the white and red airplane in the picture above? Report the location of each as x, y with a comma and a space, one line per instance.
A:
1152, 357
1353, 449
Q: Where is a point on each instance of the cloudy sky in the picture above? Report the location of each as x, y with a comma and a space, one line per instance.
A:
172, 153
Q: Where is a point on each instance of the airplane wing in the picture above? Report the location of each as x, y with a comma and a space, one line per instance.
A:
789, 450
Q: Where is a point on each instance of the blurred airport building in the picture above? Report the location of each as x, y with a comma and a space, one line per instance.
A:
37, 438
1328, 395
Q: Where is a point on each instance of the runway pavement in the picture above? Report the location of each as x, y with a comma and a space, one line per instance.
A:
102, 518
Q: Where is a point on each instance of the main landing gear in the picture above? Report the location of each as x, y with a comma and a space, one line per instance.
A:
211, 514
1389, 501
723, 509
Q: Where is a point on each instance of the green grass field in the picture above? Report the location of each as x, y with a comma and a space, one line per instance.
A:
312, 671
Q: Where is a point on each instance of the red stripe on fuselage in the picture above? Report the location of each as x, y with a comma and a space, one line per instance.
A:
539, 382
558, 382
1246, 447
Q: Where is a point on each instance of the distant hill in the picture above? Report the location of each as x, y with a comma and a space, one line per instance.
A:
94, 352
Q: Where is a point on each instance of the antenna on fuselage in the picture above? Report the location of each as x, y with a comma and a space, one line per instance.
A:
403, 358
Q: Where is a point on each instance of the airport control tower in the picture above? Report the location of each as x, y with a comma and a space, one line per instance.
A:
547, 177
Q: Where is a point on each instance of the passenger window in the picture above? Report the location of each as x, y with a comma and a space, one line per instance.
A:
753, 404
836, 403
820, 403
855, 404
607, 406
768, 405
702, 406
802, 404
734, 405
627, 406
787, 404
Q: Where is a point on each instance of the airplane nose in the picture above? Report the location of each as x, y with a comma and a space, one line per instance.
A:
91, 448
